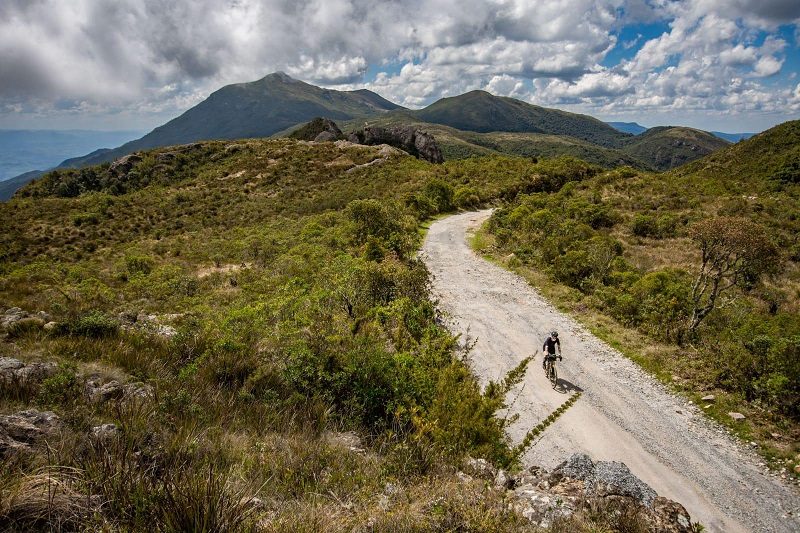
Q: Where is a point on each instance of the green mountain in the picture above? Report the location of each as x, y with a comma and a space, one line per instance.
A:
460, 144
483, 112
250, 110
664, 148
475, 123
628, 127
773, 154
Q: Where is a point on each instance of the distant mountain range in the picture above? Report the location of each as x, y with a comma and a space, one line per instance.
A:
469, 124
636, 129
25, 150
628, 127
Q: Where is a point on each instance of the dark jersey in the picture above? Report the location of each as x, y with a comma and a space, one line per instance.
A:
550, 345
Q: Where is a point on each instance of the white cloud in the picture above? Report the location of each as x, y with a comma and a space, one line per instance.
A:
149, 56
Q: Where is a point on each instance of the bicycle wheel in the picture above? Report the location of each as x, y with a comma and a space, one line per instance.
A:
553, 375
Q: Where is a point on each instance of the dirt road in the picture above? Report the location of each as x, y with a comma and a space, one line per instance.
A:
623, 414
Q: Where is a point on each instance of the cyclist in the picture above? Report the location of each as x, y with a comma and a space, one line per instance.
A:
549, 348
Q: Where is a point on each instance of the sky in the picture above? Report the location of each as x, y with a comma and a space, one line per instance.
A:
727, 65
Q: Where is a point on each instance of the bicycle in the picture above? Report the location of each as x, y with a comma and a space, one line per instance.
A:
550, 370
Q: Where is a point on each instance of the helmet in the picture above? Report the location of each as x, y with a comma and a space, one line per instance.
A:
554, 334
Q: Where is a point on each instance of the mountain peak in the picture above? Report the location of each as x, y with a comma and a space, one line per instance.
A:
280, 76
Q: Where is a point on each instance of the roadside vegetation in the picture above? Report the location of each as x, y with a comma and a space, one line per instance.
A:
694, 273
252, 320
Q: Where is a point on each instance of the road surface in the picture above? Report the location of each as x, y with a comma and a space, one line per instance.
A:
622, 415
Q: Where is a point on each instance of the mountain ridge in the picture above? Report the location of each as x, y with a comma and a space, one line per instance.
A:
277, 103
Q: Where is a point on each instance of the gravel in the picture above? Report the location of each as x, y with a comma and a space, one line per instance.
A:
624, 415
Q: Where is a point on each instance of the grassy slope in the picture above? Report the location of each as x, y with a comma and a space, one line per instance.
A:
752, 179
458, 144
482, 112
670, 147
255, 109
295, 317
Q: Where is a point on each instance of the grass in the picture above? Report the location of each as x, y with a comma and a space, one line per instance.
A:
604, 208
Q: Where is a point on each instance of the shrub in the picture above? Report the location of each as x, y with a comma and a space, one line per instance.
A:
94, 325
441, 193
466, 198
138, 264
62, 388
644, 226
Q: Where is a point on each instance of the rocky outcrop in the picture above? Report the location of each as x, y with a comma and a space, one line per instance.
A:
150, 324
14, 371
98, 391
22, 431
410, 139
546, 497
124, 165
15, 321
318, 130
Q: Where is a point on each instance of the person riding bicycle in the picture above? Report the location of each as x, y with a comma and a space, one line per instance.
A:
549, 348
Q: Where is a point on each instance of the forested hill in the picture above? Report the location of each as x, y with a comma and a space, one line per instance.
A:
483, 112
770, 157
251, 110
669, 147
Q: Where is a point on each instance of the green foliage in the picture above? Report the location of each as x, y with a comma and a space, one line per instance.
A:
650, 276
441, 193
62, 388
466, 198
138, 264
94, 325
659, 227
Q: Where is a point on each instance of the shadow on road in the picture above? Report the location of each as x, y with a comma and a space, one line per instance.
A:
565, 387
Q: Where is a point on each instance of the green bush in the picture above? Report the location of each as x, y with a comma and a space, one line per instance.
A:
441, 193
62, 388
644, 226
138, 264
466, 198
94, 325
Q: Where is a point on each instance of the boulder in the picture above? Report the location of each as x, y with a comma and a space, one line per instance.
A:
503, 481
606, 478
319, 130
124, 164
325, 136
104, 432
103, 392
670, 517
709, 398
21, 431
407, 138
737, 416
15, 371
480, 468
580, 483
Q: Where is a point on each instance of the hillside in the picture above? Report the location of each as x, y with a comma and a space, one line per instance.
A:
761, 162
10, 186
220, 332
278, 104
483, 112
255, 109
664, 148
628, 127
457, 144
624, 254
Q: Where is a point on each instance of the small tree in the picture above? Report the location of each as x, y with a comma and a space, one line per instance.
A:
735, 252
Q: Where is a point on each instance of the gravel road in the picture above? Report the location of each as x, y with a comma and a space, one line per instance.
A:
623, 414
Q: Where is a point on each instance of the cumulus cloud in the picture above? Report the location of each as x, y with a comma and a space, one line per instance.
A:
150, 56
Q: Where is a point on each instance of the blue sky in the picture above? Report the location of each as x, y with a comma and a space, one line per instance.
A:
729, 65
